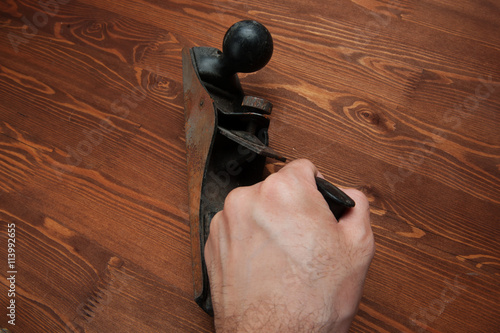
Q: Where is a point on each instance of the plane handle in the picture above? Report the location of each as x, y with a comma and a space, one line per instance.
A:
337, 200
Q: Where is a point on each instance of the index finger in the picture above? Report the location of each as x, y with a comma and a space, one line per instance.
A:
301, 169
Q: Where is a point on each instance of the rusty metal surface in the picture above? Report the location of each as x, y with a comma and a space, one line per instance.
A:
256, 104
200, 129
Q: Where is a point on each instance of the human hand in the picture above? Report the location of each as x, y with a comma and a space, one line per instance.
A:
278, 261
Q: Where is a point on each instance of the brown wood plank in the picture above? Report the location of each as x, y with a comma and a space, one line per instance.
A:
397, 98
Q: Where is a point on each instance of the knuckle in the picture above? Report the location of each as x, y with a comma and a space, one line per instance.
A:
275, 186
235, 198
238, 203
214, 225
304, 163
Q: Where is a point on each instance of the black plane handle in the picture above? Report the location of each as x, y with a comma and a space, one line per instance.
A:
337, 200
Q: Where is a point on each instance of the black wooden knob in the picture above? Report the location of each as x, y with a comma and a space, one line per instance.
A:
247, 47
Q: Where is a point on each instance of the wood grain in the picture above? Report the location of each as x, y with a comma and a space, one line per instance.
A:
398, 98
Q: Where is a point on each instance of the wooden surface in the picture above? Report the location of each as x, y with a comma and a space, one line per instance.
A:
398, 98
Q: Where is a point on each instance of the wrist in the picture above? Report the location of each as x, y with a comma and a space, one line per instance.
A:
279, 318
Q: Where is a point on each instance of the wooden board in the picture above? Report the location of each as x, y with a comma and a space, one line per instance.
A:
398, 98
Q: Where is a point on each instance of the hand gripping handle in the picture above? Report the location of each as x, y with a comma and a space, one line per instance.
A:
337, 200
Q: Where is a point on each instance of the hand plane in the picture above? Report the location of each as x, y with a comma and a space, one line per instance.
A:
227, 134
